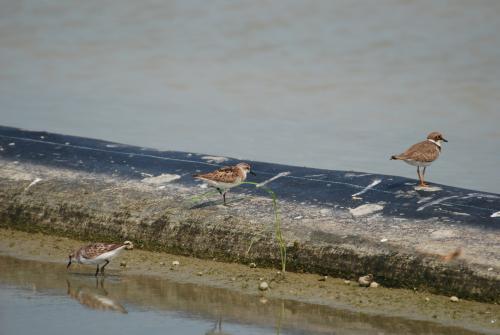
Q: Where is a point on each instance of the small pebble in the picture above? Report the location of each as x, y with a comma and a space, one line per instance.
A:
365, 280
162, 263
263, 286
252, 265
454, 299
263, 300
123, 264
200, 273
175, 263
347, 282
383, 240
427, 299
490, 269
323, 278
374, 284
233, 278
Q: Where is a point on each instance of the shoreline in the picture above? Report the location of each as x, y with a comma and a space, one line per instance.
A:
336, 223
304, 288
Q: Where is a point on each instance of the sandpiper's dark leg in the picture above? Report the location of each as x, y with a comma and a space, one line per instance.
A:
97, 270
102, 267
224, 198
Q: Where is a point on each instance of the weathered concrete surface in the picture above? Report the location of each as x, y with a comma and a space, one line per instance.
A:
106, 191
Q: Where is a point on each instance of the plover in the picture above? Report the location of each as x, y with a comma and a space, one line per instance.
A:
423, 154
226, 178
98, 253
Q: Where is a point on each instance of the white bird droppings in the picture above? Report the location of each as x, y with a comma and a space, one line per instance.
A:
163, 178
365, 209
428, 188
495, 215
37, 180
214, 159
435, 202
279, 175
367, 188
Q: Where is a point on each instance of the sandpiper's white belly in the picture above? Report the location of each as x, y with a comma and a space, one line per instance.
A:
417, 163
224, 186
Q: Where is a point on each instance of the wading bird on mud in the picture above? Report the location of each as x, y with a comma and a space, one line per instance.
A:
98, 253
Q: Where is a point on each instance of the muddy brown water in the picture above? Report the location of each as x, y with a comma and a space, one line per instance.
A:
42, 298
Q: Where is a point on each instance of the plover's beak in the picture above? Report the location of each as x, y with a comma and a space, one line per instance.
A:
252, 173
444, 140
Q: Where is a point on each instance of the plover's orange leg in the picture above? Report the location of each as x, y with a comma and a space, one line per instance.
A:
423, 183
419, 176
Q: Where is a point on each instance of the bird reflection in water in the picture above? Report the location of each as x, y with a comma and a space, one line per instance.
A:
217, 329
94, 298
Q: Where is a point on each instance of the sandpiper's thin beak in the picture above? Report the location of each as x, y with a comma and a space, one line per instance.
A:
445, 140
252, 173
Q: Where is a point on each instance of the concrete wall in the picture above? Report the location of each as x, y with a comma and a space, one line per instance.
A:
333, 223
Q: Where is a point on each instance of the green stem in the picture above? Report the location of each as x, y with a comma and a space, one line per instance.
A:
277, 219
196, 198
277, 224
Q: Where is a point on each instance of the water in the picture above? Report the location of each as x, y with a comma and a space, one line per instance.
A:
44, 297
331, 84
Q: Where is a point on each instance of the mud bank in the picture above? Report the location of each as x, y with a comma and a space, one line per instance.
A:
336, 223
303, 300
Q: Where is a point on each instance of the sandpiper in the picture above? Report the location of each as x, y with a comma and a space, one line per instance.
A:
423, 154
98, 253
226, 178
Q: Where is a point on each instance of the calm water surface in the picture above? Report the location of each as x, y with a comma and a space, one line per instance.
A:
331, 84
41, 298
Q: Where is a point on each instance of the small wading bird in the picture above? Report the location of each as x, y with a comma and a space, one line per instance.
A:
226, 178
423, 154
98, 253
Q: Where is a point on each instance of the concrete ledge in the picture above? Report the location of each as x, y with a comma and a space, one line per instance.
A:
98, 190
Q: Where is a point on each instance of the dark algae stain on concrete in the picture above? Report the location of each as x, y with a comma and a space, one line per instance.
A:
335, 222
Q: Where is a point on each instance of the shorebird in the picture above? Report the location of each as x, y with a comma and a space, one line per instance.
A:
98, 253
226, 178
423, 154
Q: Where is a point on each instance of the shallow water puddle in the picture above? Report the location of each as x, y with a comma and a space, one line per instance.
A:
42, 296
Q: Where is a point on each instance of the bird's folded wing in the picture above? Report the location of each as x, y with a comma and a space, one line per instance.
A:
422, 152
96, 249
